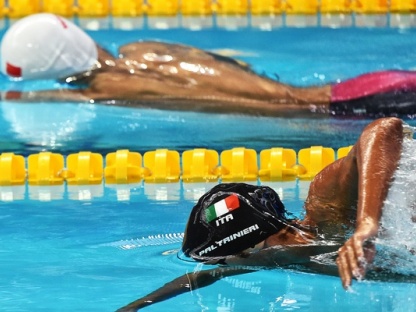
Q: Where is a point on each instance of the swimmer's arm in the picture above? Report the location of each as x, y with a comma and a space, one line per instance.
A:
369, 169
268, 258
183, 284
59, 95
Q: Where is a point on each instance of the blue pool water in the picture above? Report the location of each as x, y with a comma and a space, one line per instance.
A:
99, 254
68, 248
304, 56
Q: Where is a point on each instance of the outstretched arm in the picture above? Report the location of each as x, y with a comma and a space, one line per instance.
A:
183, 284
361, 180
58, 95
279, 256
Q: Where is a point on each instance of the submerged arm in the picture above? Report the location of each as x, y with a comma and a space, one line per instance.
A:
280, 256
58, 95
182, 284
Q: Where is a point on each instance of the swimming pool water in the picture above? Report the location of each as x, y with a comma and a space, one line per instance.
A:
97, 255
97, 248
29, 128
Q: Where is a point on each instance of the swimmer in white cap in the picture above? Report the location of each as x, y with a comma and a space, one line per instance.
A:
177, 77
245, 227
46, 46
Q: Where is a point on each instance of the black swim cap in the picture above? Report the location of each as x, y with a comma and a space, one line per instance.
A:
231, 218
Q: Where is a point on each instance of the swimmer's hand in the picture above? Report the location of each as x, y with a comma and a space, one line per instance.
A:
355, 256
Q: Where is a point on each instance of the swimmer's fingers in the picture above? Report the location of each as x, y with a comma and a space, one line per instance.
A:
343, 269
351, 261
347, 263
357, 252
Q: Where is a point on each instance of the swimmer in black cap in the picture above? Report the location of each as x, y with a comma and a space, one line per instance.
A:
230, 220
177, 77
243, 225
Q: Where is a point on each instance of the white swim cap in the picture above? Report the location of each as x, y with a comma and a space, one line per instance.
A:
46, 46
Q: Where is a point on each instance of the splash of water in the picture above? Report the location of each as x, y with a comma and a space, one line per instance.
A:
151, 240
396, 244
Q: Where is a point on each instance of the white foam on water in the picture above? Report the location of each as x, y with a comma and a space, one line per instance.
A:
396, 244
151, 240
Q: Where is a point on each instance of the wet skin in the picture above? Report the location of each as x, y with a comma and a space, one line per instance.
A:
177, 77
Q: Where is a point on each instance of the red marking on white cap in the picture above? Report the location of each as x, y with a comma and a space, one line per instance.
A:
64, 25
13, 71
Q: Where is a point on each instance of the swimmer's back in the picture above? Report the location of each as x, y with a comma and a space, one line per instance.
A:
166, 75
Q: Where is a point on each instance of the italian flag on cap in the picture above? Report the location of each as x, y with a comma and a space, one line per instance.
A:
222, 207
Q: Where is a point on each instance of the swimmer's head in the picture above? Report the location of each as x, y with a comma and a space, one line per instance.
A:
230, 219
46, 46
